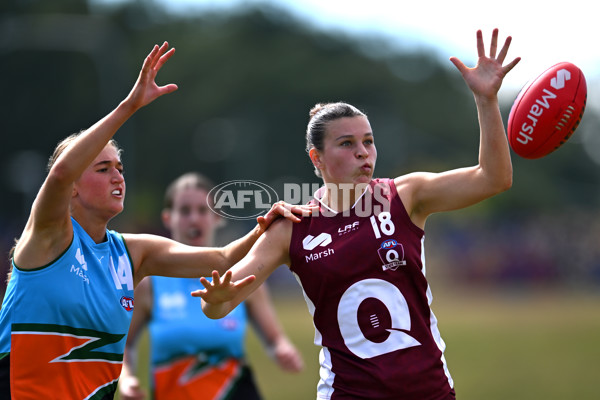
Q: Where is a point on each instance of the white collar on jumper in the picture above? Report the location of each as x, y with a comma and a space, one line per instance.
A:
318, 195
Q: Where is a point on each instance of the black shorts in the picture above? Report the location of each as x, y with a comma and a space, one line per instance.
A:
5, 377
245, 387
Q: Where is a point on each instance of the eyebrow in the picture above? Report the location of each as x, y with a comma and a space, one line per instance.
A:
107, 162
341, 137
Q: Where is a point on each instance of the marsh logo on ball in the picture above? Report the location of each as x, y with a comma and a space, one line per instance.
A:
242, 199
547, 111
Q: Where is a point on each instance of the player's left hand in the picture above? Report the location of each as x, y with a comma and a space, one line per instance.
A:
486, 77
146, 90
285, 210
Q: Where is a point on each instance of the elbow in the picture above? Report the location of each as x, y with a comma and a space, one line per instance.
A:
503, 183
499, 178
59, 173
506, 183
211, 315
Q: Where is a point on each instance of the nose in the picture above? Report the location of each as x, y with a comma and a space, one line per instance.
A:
117, 176
361, 151
194, 216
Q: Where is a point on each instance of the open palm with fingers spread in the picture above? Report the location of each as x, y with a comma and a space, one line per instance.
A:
486, 78
221, 290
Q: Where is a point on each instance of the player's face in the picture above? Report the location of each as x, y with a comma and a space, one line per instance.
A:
349, 152
191, 221
101, 187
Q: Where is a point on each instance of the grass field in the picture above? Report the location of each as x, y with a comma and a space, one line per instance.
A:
542, 346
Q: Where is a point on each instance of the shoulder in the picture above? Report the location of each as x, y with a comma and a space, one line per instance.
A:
409, 184
411, 188
412, 179
41, 246
405, 185
141, 241
144, 246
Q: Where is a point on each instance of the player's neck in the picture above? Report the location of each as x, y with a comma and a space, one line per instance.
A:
95, 227
342, 197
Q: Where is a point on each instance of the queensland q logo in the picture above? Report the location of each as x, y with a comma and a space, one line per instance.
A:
241, 200
391, 254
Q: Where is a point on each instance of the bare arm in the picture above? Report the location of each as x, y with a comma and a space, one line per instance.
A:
427, 193
272, 250
155, 255
48, 231
264, 320
129, 384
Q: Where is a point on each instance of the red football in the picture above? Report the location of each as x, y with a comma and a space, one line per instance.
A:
547, 111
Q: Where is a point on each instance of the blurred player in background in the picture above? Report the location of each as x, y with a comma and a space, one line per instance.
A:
361, 261
192, 356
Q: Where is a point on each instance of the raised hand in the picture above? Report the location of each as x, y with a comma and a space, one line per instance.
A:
486, 77
145, 89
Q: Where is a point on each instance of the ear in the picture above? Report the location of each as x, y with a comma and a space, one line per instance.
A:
165, 216
74, 192
315, 157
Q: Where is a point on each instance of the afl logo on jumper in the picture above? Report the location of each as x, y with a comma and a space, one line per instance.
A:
127, 303
391, 254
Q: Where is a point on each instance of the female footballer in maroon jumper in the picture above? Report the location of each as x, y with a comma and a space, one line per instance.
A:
361, 261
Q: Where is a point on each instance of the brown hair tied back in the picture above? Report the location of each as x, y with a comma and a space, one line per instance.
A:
320, 115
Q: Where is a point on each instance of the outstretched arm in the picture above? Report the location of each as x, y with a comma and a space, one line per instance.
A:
236, 250
425, 193
48, 231
156, 255
79, 155
222, 295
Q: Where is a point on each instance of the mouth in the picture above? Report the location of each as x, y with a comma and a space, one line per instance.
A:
194, 233
366, 167
117, 192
